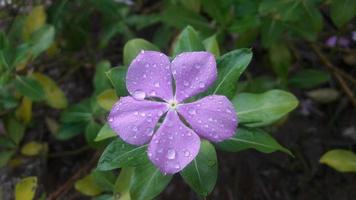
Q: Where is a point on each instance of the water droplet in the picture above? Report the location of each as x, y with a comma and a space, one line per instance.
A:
186, 153
154, 65
228, 110
177, 166
143, 114
149, 154
153, 93
160, 113
149, 119
144, 76
171, 154
192, 112
170, 137
174, 72
135, 113
147, 65
189, 134
135, 129
111, 119
161, 54
160, 150
142, 51
156, 84
150, 132
199, 121
210, 119
206, 126
186, 83
201, 84
139, 95
197, 66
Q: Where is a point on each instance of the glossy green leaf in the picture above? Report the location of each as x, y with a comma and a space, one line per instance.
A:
117, 77
212, 45
101, 82
250, 138
340, 160
105, 133
80, 112
271, 30
91, 132
121, 154
309, 78
193, 5
26, 188
69, 130
30, 88
264, 108
123, 183
87, 186
5, 156
342, 11
324, 95
148, 182
35, 20
230, 67
15, 130
133, 47
105, 180
188, 40
201, 174
218, 10
41, 39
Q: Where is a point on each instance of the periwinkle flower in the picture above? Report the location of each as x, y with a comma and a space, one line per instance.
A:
159, 89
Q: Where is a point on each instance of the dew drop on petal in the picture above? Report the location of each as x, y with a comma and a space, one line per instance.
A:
171, 154
177, 166
143, 114
186, 153
135, 129
201, 84
186, 83
192, 112
139, 95
228, 110
111, 119
197, 66
156, 84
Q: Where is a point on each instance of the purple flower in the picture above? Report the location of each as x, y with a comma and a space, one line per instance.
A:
176, 141
335, 40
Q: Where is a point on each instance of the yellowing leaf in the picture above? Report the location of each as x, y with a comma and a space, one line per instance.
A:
24, 111
53, 49
341, 160
107, 99
26, 188
32, 148
35, 19
87, 186
54, 96
52, 125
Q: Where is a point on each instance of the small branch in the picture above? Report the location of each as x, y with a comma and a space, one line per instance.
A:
63, 189
336, 72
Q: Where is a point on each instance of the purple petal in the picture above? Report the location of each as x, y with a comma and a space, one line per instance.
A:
134, 121
149, 75
193, 72
212, 117
331, 41
174, 145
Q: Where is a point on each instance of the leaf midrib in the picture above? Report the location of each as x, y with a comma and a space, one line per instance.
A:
264, 108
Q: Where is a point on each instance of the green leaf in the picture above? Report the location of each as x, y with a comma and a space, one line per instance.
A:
29, 87
271, 30
105, 180
123, 183
87, 186
133, 47
188, 40
80, 112
32, 148
340, 160
121, 154
101, 82
41, 39
107, 99
342, 11
117, 77
105, 133
264, 108
185, 17
26, 188
211, 45
54, 96
69, 130
309, 78
251, 138
5, 156
230, 67
245, 24
193, 5
15, 130
91, 132
201, 174
148, 182
281, 59
324, 95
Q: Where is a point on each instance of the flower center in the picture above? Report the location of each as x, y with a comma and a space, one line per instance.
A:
173, 104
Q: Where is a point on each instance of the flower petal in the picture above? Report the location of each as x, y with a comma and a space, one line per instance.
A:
149, 73
193, 72
212, 117
174, 145
134, 121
